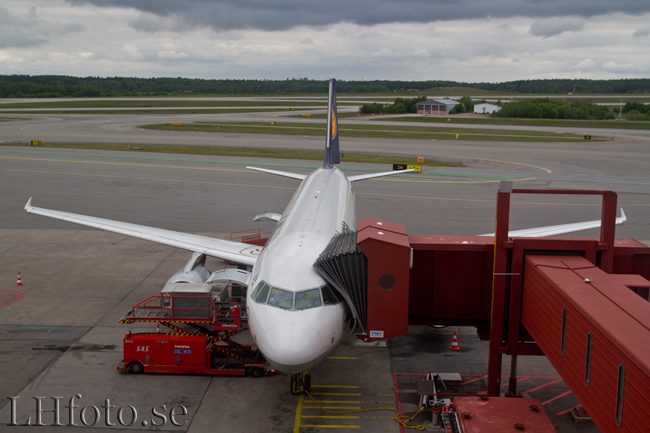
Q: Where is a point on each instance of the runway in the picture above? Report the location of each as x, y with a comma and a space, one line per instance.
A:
62, 338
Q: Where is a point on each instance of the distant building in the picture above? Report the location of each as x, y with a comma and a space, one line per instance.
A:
486, 108
436, 106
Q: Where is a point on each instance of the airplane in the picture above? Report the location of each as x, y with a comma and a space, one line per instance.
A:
295, 316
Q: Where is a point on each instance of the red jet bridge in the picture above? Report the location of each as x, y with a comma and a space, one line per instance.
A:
571, 299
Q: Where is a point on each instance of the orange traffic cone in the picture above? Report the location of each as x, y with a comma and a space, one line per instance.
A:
19, 281
454, 343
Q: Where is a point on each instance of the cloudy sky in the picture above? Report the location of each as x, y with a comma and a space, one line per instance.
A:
463, 40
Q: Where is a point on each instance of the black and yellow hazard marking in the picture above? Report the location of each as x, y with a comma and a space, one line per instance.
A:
229, 354
175, 328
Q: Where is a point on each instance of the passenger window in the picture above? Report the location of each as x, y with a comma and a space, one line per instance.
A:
308, 299
281, 298
328, 297
262, 292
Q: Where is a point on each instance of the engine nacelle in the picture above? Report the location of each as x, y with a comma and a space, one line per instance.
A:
193, 272
196, 275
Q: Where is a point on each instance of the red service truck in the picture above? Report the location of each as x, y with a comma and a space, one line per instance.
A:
194, 354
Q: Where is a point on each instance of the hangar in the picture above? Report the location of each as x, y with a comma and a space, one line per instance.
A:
486, 108
436, 106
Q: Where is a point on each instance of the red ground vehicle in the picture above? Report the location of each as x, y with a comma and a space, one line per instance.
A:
196, 354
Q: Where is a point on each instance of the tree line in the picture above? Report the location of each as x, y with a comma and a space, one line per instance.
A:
546, 108
20, 86
399, 106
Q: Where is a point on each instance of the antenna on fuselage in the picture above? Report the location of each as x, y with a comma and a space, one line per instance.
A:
332, 140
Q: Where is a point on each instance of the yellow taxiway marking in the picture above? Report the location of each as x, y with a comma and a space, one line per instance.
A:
335, 386
341, 357
299, 416
335, 393
421, 197
150, 178
452, 181
339, 401
245, 171
628, 160
332, 416
333, 407
206, 182
129, 164
296, 423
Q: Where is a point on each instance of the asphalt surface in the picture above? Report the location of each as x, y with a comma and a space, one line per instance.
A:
62, 337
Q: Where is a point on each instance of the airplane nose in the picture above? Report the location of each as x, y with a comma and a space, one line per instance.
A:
292, 348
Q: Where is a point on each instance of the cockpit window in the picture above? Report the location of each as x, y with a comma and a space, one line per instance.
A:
261, 292
264, 293
329, 297
281, 298
308, 299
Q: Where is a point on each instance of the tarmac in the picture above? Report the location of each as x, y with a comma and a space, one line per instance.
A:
60, 340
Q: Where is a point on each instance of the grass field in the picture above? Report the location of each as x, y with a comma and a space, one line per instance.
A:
378, 131
614, 124
246, 153
157, 103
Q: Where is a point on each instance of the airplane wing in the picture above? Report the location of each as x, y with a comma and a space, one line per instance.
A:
559, 229
222, 249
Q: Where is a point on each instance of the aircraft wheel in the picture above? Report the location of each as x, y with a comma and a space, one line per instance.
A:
135, 368
306, 382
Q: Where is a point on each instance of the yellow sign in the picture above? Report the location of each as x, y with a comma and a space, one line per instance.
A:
416, 168
420, 159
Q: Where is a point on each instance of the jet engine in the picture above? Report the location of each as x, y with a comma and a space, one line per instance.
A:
193, 272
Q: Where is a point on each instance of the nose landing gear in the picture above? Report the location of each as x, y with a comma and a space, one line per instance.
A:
300, 382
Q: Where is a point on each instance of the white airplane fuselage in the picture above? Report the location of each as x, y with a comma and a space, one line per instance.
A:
291, 336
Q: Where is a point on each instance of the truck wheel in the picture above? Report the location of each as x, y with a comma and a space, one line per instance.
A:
255, 372
135, 368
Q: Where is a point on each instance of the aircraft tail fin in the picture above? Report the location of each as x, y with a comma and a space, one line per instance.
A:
332, 155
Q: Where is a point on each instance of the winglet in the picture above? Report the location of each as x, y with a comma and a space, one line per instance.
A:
622, 218
28, 206
332, 155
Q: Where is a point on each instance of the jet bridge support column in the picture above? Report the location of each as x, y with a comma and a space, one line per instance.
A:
387, 247
506, 336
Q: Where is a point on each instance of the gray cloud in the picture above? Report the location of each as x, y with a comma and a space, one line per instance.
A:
20, 30
469, 40
644, 31
287, 14
30, 29
548, 27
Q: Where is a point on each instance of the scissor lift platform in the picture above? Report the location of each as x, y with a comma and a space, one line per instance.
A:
201, 341
200, 310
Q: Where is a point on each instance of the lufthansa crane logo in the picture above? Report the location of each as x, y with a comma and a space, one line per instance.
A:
334, 125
